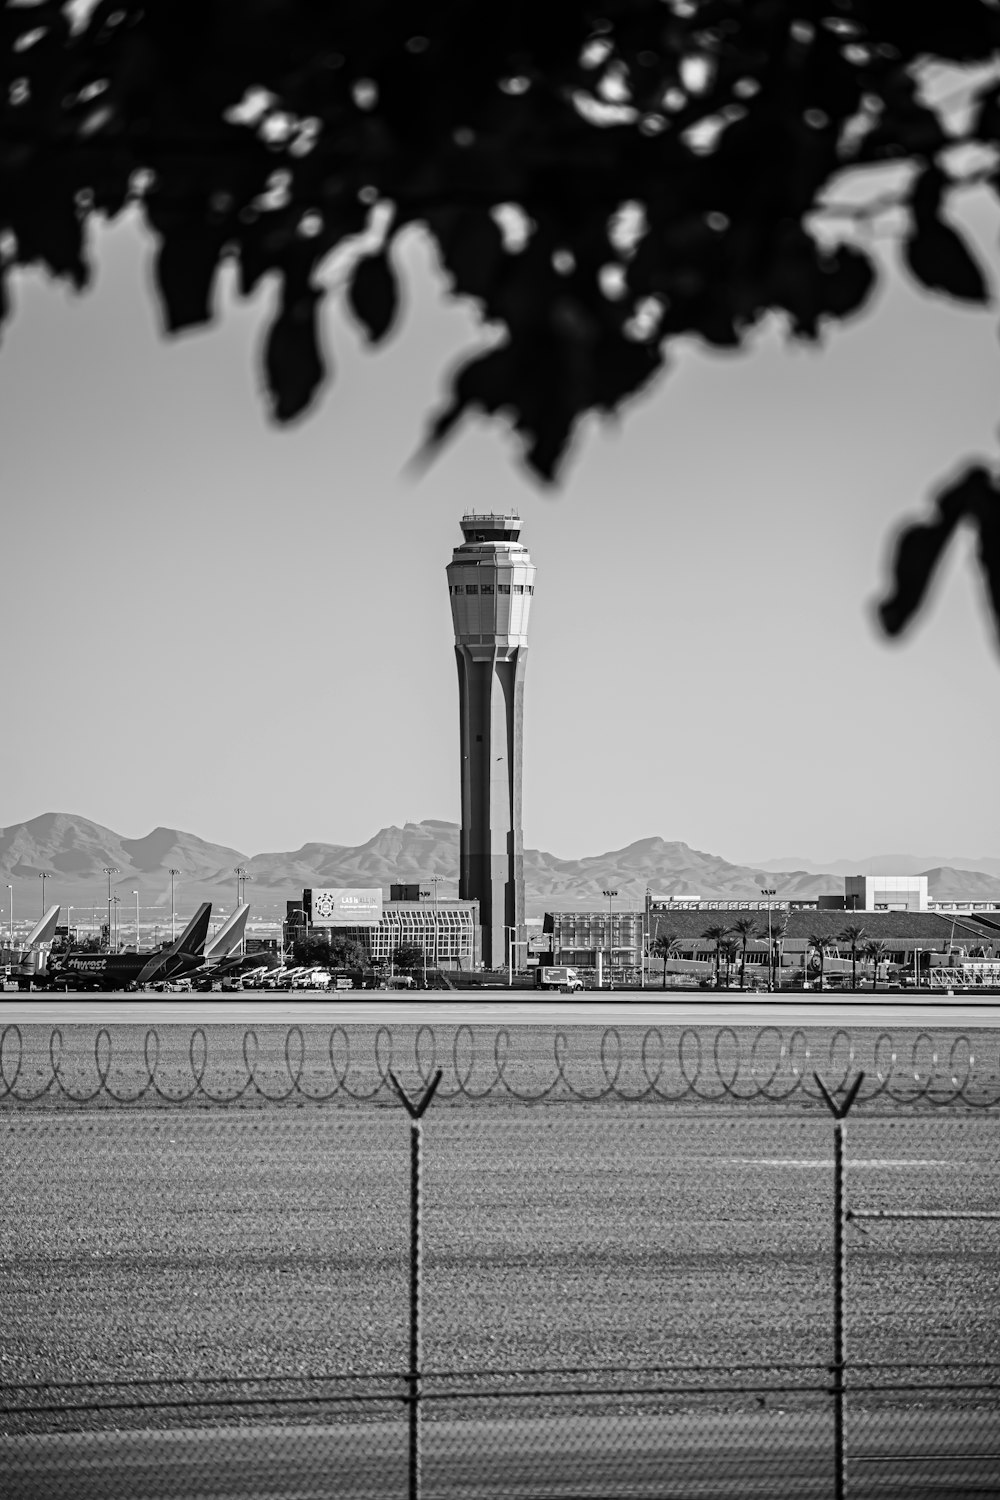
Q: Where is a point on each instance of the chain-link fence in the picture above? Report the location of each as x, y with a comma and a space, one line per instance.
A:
706, 1286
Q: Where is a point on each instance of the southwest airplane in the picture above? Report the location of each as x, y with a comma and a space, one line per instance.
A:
120, 971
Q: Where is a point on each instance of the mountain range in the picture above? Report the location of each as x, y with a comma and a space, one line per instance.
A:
76, 852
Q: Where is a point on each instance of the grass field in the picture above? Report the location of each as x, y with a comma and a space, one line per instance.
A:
179, 1243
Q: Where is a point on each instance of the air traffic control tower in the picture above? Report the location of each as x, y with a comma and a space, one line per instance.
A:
491, 580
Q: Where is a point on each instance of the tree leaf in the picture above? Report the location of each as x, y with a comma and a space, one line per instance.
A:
294, 367
938, 258
848, 281
184, 272
920, 548
373, 295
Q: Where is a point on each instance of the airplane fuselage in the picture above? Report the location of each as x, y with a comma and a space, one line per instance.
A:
111, 971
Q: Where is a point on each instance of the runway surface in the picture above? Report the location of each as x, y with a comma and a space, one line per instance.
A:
662, 1455
391, 1008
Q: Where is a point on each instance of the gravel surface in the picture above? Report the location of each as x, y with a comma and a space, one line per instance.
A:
194, 1242
220, 1243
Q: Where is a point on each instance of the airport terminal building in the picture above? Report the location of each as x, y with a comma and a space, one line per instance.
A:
910, 933
447, 932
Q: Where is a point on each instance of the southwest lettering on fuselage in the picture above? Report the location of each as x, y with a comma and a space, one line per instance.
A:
113, 970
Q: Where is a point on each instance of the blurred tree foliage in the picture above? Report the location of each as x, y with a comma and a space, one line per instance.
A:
408, 956
336, 952
599, 178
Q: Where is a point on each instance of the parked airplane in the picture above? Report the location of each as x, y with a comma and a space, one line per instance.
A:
120, 971
32, 964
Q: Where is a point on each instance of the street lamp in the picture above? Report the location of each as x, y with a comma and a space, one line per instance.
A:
116, 901
110, 870
10, 930
644, 956
43, 876
136, 895
769, 891
173, 926
611, 938
512, 943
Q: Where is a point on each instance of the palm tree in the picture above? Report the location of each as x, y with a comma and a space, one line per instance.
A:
730, 951
746, 927
716, 934
663, 945
875, 950
821, 943
852, 934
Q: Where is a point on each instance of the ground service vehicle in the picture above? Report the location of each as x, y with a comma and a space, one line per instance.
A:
558, 977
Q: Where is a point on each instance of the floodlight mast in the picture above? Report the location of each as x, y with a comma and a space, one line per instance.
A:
491, 580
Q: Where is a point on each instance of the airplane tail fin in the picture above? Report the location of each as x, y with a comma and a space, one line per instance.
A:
228, 939
192, 940
34, 959
43, 931
190, 945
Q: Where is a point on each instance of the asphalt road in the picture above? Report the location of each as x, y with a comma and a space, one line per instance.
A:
701, 1455
388, 1007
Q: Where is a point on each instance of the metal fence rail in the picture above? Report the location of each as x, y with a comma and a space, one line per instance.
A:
408, 1298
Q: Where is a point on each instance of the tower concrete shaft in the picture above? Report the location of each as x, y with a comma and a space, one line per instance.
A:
491, 581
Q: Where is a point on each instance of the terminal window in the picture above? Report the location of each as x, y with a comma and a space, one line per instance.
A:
472, 588
518, 588
487, 588
503, 588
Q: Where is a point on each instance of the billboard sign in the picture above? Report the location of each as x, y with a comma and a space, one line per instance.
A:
346, 906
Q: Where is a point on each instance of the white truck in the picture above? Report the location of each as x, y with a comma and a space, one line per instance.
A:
558, 977
311, 979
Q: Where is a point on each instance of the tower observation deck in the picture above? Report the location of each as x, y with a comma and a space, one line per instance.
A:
491, 581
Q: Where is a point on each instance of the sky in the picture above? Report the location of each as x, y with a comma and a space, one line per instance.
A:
213, 624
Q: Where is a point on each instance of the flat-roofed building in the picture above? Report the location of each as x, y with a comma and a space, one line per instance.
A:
446, 932
885, 892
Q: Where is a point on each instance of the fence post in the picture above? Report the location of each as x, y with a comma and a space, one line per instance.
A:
415, 1112
839, 1112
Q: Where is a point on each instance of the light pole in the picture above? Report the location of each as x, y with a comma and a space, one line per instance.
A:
116, 901
611, 938
173, 925
69, 925
435, 882
10, 929
512, 943
645, 941
136, 895
769, 891
43, 876
110, 870
243, 940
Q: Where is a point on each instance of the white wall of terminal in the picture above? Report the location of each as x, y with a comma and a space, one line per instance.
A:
886, 892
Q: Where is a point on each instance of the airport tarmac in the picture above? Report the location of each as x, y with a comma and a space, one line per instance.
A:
388, 1008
